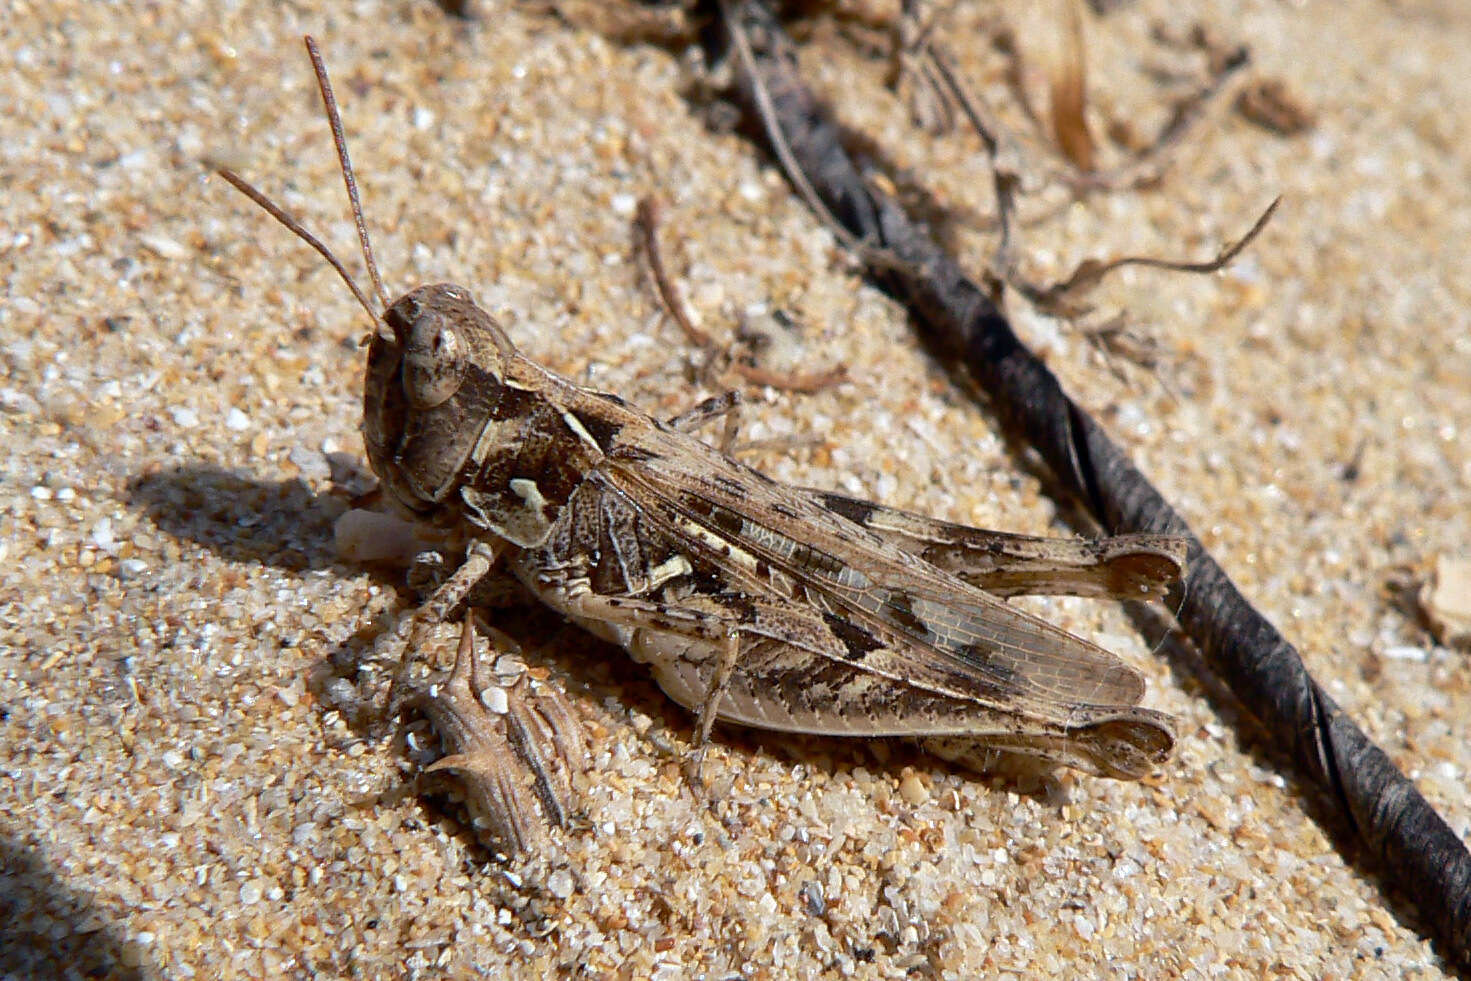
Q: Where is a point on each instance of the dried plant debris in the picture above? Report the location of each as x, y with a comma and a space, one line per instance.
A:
1049, 68
1119, 343
1270, 104
1068, 91
718, 359
1387, 814
912, 75
1065, 298
669, 23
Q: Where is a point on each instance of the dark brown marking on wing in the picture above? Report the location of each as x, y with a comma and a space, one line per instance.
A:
993, 666
900, 608
725, 520
816, 560
855, 639
635, 454
851, 508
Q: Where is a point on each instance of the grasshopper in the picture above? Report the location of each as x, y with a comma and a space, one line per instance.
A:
751, 601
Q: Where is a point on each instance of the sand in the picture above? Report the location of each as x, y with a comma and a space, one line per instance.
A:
189, 792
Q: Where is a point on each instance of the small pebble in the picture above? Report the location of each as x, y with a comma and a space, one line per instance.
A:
164, 247
560, 884
102, 534
624, 205
312, 464
1406, 653
912, 789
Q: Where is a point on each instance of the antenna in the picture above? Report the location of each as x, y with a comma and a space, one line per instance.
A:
246, 188
335, 121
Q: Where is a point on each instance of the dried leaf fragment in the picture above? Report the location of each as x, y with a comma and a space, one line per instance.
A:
1068, 94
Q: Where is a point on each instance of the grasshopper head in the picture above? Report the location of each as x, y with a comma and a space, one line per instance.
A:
430, 387
436, 361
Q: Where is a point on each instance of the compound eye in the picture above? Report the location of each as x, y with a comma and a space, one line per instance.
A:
434, 362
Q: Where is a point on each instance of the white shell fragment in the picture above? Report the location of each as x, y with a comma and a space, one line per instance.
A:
372, 536
1446, 600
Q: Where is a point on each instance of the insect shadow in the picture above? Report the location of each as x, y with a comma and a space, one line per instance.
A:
50, 930
283, 523
243, 519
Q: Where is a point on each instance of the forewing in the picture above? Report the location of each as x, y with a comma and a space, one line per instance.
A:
893, 612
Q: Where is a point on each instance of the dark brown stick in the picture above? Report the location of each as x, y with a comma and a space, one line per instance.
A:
1416, 850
